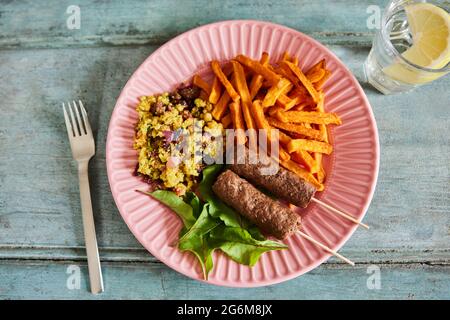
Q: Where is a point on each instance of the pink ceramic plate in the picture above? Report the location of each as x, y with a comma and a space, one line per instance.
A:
352, 169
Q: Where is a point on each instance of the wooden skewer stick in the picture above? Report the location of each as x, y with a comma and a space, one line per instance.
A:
324, 247
342, 214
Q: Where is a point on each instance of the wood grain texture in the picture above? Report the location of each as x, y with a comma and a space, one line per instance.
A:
40, 219
155, 281
154, 22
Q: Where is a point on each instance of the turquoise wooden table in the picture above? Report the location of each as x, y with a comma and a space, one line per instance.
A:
45, 60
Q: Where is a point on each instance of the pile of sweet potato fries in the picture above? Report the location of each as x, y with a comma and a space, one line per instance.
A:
249, 94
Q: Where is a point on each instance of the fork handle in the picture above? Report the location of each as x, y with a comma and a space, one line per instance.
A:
95, 271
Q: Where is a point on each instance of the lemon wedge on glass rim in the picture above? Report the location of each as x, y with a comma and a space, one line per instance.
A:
430, 29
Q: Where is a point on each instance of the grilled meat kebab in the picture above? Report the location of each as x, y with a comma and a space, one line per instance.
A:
284, 184
269, 215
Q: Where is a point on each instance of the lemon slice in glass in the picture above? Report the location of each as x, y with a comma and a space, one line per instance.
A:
430, 29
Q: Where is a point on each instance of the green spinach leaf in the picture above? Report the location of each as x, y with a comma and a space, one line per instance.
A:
196, 240
240, 246
194, 201
174, 202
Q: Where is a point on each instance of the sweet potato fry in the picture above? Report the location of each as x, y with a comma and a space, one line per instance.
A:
309, 145
318, 85
296, 128
283, 154
302, 173
321, 175
270, 67
318, 162
302, 105
316, 76
262, 124
226, 120
260, 119
215, 91
299, 91
223, 79
323, 133
258, 68
303, 79
304, 158
238, 121
272, 111
285, 56
283, 86
279, 114
322, 127
310, 117
284, 71
266, 84
284, 101
257, 79
321, 103
227, 69
221, 106
287, 103
303, 98
321, 65
284, 138
202, 84
246, 102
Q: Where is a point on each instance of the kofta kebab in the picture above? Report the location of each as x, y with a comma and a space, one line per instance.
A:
269, 215
234, 187
250, 94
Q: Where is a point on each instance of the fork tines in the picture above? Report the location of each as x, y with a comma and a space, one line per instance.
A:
79, 125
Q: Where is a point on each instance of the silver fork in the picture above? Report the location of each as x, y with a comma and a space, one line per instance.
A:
83, 148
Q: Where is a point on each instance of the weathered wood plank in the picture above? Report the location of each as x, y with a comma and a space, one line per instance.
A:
29, 24
41, 170
137, 254
44, 280
39, 206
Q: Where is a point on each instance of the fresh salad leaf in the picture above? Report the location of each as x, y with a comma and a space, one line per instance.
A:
210, 174
204, 224
184, 210
218, 209
255, 232
194, 201
239, 245
196, 240
198, 245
